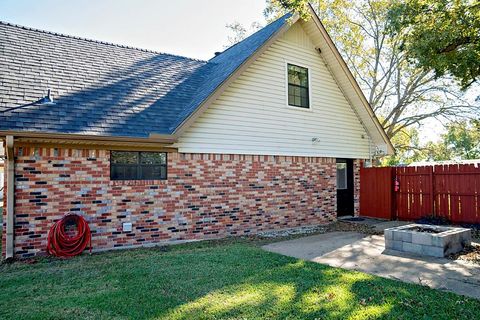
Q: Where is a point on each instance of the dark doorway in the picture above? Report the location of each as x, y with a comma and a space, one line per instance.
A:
344, 187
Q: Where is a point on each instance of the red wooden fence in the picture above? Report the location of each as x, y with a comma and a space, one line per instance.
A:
376, 192
457, 193
414, 199
446, 191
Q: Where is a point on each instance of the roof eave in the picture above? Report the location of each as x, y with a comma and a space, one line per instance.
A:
352, 80
91, 139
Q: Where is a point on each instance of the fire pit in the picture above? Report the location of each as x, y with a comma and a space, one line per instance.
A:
427, 240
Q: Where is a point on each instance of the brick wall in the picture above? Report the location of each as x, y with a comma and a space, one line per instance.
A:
205, 196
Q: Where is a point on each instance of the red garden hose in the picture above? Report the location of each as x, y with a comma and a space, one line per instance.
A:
61, 244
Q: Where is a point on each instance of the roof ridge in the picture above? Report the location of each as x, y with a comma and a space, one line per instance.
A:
95, 41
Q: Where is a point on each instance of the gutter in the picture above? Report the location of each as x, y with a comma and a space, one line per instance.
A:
9, 250
153, 138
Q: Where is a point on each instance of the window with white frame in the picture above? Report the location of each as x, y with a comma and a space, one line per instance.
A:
298, 86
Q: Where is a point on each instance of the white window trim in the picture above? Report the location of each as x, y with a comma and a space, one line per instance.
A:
309, 109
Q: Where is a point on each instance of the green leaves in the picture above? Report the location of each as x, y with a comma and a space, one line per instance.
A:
440, 35
274, 7
403, 55
462, 140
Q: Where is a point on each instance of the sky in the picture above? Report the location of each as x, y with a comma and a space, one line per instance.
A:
190, 28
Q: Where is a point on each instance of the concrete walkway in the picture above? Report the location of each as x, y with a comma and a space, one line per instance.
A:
356, 251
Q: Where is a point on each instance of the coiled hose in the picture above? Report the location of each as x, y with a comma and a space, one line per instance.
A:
61, 244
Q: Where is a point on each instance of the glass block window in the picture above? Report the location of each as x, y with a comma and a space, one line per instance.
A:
134, 165
298, 94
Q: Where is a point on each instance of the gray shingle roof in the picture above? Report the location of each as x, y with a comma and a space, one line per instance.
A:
105, 89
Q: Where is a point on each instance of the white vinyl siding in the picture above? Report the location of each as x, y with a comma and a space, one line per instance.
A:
252, 116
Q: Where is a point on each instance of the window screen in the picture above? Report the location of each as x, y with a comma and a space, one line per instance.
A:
133, 165
342, 176
298, 95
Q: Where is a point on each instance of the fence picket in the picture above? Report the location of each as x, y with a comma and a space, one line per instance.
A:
447, 191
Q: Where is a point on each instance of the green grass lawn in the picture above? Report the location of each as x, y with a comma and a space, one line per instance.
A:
212, 280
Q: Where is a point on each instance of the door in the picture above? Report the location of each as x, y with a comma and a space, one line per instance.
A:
376, 192
344, 187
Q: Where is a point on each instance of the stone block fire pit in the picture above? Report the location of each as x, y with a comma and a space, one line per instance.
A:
427, 240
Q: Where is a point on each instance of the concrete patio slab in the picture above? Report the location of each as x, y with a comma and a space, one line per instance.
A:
356, 251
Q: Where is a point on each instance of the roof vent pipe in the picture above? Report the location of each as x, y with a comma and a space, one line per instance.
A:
47, 100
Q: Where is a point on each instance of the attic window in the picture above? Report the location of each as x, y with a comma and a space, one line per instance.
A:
133, 165
298, 86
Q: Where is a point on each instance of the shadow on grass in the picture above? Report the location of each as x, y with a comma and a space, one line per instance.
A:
219, 281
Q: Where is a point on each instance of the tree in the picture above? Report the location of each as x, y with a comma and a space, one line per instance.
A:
461, 141
402, 94
274, 7
239, 32
442, 35
408, 147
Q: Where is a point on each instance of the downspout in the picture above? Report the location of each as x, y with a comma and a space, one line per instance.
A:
10, 198
370, 150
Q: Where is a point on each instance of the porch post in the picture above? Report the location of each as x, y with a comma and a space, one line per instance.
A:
9, 251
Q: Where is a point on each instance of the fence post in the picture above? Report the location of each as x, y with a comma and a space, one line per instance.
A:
393, 196
432, 191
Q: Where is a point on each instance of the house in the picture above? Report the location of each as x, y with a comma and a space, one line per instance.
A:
155, 148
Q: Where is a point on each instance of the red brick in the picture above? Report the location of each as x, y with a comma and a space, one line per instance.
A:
228, 195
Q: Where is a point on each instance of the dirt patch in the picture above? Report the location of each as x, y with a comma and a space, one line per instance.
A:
444, 222
470, 254
285, 233
295, 233
358, 227
476, 234
424, 229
